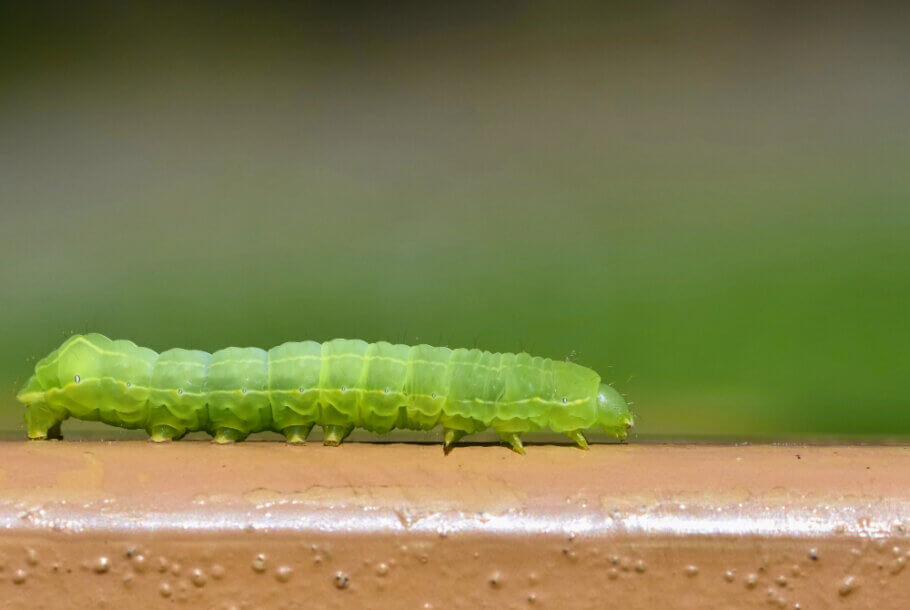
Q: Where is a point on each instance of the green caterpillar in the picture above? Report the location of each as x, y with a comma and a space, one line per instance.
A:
339, 385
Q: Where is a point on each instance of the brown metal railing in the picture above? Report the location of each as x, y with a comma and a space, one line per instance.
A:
264, 524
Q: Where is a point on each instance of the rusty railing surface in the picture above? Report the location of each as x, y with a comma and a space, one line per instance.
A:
266, 525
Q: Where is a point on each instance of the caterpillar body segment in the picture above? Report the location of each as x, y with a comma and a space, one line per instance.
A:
339, 385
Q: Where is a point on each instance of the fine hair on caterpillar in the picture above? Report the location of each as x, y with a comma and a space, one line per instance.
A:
339, 385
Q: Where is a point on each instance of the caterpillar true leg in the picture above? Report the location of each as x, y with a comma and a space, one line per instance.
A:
226, 436
452, 436
297, 434
579, 438
333, 435
514, 441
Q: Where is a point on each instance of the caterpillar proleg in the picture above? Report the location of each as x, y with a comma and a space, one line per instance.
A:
339, 385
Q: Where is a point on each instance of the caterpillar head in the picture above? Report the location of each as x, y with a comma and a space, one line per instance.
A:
613, 414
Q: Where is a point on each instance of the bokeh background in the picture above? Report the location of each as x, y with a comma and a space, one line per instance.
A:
707, 202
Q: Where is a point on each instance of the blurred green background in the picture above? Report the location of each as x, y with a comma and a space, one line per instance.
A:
708, 203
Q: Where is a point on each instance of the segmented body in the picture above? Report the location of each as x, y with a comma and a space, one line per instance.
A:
339, 385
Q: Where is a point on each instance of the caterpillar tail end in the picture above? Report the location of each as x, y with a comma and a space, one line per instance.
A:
579, 438
51, 433
334, 435
227, 436
297, 435
514, 442
41, 423
452, 436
